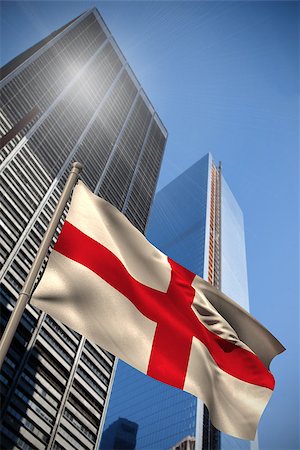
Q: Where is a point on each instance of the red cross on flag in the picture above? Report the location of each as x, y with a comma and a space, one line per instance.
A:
107, 282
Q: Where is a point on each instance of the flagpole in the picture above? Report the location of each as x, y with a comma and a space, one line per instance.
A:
25, 294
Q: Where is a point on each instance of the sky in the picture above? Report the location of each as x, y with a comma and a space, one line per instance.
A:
223, 77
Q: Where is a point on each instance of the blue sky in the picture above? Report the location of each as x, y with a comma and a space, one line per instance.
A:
224, 78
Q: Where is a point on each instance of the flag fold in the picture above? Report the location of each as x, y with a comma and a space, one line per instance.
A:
108, 283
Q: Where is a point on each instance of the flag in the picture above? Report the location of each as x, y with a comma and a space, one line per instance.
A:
107, 282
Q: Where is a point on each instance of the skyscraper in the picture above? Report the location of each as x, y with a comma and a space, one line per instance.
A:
72, 96
196, 221
120, 435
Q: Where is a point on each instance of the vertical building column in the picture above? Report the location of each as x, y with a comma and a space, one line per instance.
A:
106, 404
64, 399
218, 226
137, 167
117, 142
214, 266
211, 436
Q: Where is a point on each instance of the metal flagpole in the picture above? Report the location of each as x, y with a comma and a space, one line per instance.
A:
25, 294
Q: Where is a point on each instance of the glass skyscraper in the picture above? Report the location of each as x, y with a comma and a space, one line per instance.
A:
196, 221
120, 435
72, 96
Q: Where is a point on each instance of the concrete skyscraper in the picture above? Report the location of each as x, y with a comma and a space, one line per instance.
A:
197, 222
72, 96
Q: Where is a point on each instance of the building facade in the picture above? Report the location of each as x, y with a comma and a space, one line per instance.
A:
120, 435
197, 222
70, 97
187, 443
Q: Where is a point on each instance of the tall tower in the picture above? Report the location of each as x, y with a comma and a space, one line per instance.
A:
72, 96
121, 435
196, 221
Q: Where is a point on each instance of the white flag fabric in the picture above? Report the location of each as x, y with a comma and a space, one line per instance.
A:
107, 282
